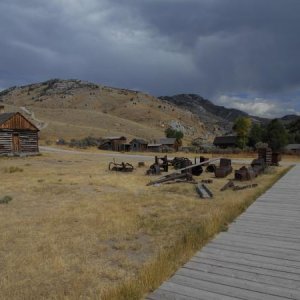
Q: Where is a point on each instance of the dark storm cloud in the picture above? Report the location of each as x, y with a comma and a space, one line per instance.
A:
218, 48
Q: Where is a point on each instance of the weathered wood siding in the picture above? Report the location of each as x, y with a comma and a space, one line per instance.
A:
28, 141
5, 142
18, 122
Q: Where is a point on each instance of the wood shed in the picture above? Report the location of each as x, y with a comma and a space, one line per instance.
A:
17, 134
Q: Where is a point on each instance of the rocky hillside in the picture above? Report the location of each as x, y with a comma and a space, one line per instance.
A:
74, 109
211, 114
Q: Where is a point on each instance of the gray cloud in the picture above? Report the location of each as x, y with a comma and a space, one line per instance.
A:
217, 48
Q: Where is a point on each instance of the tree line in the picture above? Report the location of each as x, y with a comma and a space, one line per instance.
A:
274, 133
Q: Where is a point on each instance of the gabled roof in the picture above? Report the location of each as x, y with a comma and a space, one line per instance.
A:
167, 141
115, 138
140, 141
4, 117
293, 147
229, 139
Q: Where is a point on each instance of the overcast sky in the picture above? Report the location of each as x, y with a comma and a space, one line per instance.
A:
238, 53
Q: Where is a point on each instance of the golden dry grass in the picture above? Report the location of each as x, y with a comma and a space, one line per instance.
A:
74, 230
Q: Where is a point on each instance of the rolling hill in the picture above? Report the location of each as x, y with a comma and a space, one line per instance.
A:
76, 109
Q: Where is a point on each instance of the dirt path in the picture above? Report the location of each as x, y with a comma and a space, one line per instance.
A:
115, 154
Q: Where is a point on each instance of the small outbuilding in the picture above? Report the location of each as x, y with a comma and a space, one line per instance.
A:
138, 145
114, 143
169, 143
17, 135
292, 148
229, 141
155, 147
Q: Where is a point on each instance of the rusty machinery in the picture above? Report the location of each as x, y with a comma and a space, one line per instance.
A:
122, 167
161, 164
224, 169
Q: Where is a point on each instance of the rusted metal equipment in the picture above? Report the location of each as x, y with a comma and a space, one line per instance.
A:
228, 185
207, 181
224, 169
181, 172
276, 158
181, 162
258, 165
161, 165
266, 155
244, 174
211, 168
243, 187
203, 191
204, 159
174, 178
122, 167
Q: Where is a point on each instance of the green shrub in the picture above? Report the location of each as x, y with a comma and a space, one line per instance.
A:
13, 169
5, 199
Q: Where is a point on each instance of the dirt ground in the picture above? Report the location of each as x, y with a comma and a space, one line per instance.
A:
73, 229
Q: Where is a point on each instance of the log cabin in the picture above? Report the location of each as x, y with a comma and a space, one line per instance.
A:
17, 135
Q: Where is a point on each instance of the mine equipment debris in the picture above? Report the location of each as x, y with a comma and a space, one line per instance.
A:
203, 191
207, 181
224, 169
243, 187
122, 167
228, 185
161, 164
266, 155
211, 168
276, 158
258, 165
173, 178
231, 185
181, 162
245, 173
204, 159
182, 171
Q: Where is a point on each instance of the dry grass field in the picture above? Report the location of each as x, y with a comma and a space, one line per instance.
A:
74, 230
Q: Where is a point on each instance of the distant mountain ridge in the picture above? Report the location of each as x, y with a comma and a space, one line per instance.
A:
211, 113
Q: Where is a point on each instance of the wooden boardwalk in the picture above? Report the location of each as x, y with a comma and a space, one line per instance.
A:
257, 258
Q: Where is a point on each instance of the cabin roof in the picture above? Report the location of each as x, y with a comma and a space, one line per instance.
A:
293, 147
167, 141
140, 141
229, 139
115, 138
4, 117
154, 145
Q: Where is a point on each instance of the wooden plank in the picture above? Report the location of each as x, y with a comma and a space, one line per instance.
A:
239, 283
222, 289
243, 274
257, 258
250, 257
194, 292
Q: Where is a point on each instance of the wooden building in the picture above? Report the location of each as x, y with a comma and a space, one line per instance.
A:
229, 141
115, 143
17, 134
292, 149
169, 144
154, 147
138, 145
